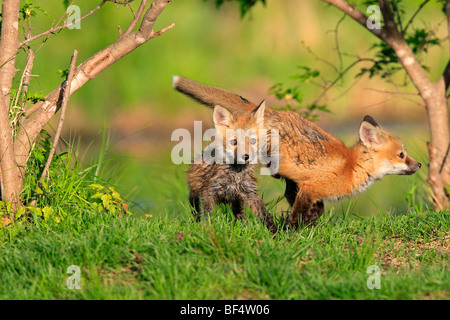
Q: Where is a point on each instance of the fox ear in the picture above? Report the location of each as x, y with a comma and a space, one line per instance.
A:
221, 116
370, 134
371, 120
258, 113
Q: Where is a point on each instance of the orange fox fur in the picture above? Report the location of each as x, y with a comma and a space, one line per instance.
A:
316, 165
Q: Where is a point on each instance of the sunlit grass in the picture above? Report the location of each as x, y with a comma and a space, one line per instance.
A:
221, 258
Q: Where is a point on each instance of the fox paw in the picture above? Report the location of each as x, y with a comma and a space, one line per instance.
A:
291, 222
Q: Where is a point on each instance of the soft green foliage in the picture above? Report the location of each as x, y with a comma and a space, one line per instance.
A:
64, 194
29, 9
385, 61
108, 199
419, 39
293, 97
245, 5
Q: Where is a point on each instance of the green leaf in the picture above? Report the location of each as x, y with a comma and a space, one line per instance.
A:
47, 212
20, 212
39, 190
96, 186
115, 194
45, 185
38, 211
97, 195
66, 3
106, 200
35, 97
64, 73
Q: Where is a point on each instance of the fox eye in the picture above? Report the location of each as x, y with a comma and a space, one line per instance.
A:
252, 141
401, 155
233, 142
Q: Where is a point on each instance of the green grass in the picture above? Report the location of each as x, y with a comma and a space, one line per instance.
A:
176, 258
162, 253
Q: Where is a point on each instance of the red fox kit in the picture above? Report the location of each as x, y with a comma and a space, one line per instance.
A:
316, 165
231, 179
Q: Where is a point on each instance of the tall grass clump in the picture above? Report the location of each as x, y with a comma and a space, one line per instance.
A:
69, 192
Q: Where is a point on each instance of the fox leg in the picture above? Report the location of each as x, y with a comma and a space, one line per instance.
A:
291, 191
300, 208
237, 207
258, 208
201, 204
316, 209
194, 200
208, 203
314, 213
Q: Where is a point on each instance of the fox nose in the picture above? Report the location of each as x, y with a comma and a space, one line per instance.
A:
245, 157
419, 164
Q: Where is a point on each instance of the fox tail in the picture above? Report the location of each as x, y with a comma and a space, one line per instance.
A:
211, 96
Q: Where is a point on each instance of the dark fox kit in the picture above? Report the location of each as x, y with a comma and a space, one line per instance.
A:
231, 181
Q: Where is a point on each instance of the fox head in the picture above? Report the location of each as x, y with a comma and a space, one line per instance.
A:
388, 152
239, 133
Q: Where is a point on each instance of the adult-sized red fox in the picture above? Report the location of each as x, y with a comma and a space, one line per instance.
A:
316, 165
226, 173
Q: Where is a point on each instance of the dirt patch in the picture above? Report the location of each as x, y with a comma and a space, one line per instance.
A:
398, 253
180, 236
125, 276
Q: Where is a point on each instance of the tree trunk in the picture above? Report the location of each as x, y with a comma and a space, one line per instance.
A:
10, 187
438, 147
433, 93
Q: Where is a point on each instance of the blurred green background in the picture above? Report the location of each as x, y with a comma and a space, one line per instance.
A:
135, 102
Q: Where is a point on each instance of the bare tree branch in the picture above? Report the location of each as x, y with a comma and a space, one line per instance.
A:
65, 100
27, 73
397, 15
447, 12
358, 16
391, 36
446, 73
389, 21
121, 2
336, 41
340, 75
137, 17
52, 30
414, 16
88, 70
392, 94
432, 93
